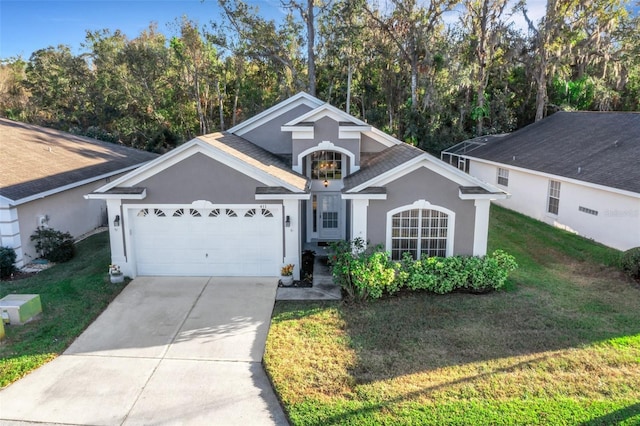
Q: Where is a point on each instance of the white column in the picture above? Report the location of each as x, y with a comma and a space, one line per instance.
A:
359, 219
481, 228
116, 237
292, 251
10, 233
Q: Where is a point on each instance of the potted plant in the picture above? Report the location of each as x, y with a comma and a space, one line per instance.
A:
115, 274
286, 274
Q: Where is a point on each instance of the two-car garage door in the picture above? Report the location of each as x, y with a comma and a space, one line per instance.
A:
225, 240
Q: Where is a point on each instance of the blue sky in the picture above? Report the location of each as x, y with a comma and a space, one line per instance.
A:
29, 25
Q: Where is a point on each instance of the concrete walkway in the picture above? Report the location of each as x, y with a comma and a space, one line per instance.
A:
166, 351
323, 287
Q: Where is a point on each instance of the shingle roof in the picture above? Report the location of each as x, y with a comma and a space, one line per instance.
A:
596, 147
36, 159
378, 164
255, 156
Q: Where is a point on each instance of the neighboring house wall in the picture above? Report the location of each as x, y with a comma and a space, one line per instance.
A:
429, 186
617, 223
270, 136
68, 211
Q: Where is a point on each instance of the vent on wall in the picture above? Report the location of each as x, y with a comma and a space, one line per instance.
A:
588, 211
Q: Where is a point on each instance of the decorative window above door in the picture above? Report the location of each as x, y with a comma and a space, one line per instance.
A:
326, 165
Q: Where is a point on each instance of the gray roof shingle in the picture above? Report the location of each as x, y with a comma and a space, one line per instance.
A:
376, 165
597, 147
36, 159
256, 156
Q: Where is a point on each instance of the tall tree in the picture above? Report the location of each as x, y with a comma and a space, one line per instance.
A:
483, 21
411, 26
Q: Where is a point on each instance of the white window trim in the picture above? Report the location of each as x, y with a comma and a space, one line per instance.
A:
503, 175
328, 146
423, 204
550, 196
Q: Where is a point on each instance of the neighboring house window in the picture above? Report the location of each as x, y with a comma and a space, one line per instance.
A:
554, 197
503, 176
326, 165
421, 232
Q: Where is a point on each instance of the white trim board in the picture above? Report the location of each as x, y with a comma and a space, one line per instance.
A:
265, 116
556, 177
190, 148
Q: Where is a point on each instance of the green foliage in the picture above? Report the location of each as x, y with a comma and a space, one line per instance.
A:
362, 272
444, 275
53, 245
630, 262
72, 295
7, 260
368, 272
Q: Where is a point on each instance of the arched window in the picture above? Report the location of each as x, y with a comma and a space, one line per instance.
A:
421, 229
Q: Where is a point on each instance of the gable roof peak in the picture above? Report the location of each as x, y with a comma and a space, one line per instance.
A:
301, 98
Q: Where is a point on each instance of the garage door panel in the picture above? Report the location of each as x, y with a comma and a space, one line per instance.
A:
187, 241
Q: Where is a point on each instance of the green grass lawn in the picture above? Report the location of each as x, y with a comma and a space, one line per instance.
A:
73, 294
561, 346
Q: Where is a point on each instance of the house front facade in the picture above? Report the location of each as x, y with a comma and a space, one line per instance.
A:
247, 201
577, 171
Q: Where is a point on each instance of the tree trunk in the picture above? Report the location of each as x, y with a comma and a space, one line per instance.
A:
311, 66
349, 72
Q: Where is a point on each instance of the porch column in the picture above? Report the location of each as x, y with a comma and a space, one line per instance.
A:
116, 235
292, 251
359, 218
481, 228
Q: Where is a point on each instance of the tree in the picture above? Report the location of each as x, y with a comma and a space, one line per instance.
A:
483, 21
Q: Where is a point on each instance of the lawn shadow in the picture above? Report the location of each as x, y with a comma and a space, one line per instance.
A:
615, 417
418, 332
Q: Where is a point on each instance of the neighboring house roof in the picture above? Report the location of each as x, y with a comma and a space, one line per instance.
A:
36, 160
598, 147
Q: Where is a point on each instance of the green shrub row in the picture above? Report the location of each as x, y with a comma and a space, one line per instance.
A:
368, 272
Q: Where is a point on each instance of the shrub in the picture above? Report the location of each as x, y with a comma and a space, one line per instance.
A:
630, 262
444, 275
7, 260
362, 272
368, 273
53, 245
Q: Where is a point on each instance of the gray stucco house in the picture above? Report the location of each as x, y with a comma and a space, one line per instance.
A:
44, 174
246, 201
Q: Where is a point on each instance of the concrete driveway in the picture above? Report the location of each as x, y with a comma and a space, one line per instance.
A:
166, 351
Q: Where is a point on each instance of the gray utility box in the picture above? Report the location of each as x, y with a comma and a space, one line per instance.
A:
20, 308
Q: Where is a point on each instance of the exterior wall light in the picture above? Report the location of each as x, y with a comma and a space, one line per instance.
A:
287, 221
116, 221
325, 183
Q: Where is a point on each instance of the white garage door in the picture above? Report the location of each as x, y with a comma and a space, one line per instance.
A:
217, 241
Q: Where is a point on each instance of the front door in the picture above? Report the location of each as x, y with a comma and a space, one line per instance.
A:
329, 216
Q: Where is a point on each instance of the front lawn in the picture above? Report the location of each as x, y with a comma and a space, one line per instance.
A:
561, 346
73, 294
